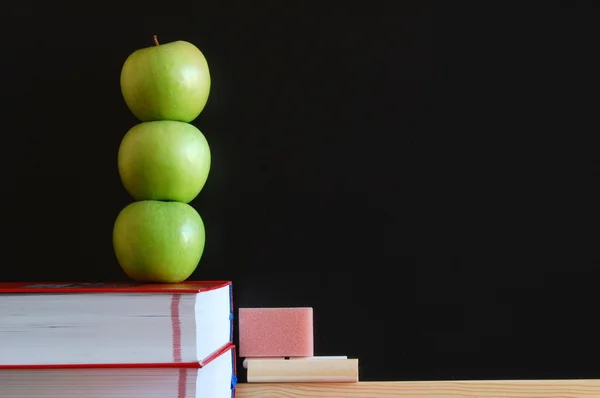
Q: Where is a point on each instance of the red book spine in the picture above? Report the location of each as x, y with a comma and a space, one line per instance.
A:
123, 287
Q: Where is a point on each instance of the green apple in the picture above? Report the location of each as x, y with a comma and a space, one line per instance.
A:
166, 82
158, 242
164, 160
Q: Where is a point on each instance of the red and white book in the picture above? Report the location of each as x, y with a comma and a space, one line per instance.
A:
116, 323
215, 378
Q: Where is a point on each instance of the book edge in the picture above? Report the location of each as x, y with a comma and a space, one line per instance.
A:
118, 287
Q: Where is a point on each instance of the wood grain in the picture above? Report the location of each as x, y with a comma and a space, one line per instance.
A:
302, 371
435, 389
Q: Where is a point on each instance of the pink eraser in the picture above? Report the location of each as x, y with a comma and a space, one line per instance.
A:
276, 332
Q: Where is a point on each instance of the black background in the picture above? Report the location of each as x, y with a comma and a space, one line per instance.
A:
397, 186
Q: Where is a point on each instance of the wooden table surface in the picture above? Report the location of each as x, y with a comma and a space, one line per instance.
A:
420, 389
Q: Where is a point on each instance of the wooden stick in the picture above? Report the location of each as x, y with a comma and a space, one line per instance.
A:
307, 371
245, 363
420, 389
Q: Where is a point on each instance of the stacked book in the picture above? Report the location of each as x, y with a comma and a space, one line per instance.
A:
117, 340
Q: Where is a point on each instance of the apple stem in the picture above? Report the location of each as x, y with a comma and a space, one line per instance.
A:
155, 40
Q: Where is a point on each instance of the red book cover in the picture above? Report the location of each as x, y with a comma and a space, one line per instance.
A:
177, 289
117, 287
208, 360
228, 349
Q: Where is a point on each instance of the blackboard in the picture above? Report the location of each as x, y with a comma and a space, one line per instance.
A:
348, 175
